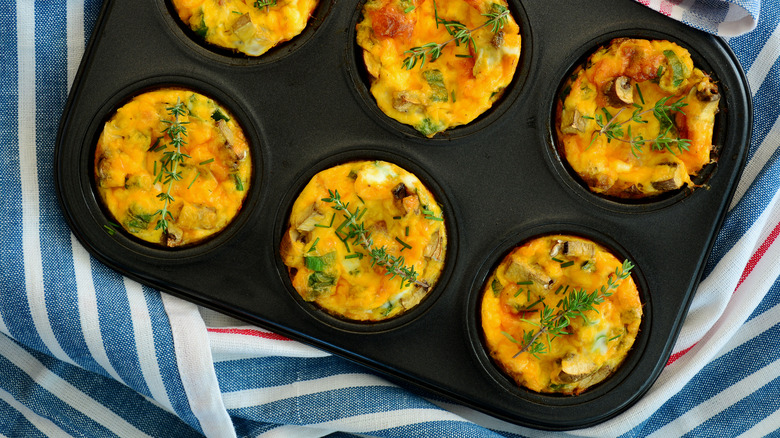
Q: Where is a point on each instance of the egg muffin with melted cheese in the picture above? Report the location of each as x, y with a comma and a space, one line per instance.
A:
366, 241
172, 166
540, 287
423, 77
637, 119
248, 26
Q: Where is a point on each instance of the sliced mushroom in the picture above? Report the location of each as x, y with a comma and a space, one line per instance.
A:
633, 190
619, 91
522, 271
574, 368
498, 39
233, 158
572, 122
312, 218
172, 236
243, 27
287, 248
403, 101
435, 247
400, 192
706, 91
573, 248
667, 184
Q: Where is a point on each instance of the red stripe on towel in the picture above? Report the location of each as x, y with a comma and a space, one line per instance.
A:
250, 332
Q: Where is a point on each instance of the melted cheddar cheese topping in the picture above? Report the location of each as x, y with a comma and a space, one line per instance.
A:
451, 90
622, 115
537, 275
245, 25
350, 273
213, 176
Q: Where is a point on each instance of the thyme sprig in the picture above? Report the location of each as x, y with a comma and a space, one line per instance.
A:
553, 321
496, 19
353, 229
260, 4
169, 163
662, 111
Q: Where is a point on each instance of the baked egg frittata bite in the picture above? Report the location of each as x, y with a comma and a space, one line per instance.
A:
172, 166
438, 64
637, 119
366, 241
248, 26
560, 313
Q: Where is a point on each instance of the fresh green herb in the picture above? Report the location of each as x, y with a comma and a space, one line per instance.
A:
496, 286
210, 160
496, 19
354, 255
639, 92
169, 163
677, 68
351, 228
553, 321
239, 183
218, 115
313, 245
260, 4
193, 180
662, 111
403, 244
110, 228
319, 263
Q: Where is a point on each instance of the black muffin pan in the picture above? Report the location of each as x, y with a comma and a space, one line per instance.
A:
305, 106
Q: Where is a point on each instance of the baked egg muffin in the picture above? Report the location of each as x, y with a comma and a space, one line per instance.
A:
636, 120
248, 26
172, 167
438, 64
560, 313
366, 241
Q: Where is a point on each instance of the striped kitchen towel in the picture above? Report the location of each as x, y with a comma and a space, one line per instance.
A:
87, 352
726, 18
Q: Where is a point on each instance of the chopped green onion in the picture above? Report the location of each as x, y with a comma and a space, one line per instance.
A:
313, 245
496, 286
409, 9
525, 283
210, 160
193, 180
405, 245
567, 264
557, 260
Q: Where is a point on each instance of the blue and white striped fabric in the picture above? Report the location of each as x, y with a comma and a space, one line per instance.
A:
85, 352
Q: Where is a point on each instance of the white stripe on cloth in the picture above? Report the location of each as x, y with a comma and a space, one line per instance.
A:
196, 368
716, 290
67, 393
291, 431
43, 424
246, 398
679, 10
716, 404
3, 327
757, 162
231, 346
144, 343
493, 423
28, 166
88, 308
764, 428
378, 421
74, 23
737, 21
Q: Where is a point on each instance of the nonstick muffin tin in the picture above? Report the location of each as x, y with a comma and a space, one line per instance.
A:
305, 106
